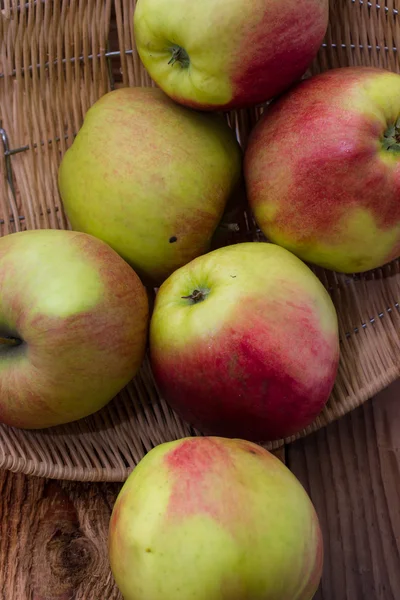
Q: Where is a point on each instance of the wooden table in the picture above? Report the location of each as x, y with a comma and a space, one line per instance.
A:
53, 539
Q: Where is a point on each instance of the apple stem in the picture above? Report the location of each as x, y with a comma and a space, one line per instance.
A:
179, 55
391, 137
6, 341
196, 296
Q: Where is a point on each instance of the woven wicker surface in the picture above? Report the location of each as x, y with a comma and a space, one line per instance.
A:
57, 57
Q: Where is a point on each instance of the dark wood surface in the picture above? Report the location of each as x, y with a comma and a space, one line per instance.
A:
53, 537
351, 470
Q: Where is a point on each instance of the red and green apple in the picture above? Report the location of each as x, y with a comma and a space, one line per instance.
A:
214, 519
73, 326
150, 178
244, 342
322, 169
224, 54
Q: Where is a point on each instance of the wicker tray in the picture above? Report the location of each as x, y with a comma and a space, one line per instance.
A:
57, 57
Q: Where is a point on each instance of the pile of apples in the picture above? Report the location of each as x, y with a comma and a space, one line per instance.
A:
243, 339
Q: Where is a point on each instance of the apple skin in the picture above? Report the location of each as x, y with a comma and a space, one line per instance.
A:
82, 314
240, 53
150, 178
257, 358
318, 179
214, 519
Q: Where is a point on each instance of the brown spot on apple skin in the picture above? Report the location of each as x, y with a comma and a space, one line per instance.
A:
255, 449
173, 239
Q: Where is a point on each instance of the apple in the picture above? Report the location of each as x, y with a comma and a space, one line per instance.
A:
150, 178
244, 342
225, 54
73, 326
322, 169
214, 519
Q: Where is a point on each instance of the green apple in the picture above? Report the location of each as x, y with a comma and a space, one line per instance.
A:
214, 519
150, 178
323, 169
224, 54
244, 342
73, 326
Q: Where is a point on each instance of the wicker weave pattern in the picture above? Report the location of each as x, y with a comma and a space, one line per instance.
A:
57, 57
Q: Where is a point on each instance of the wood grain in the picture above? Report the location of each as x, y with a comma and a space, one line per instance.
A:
351, 470
53, 538
53, 535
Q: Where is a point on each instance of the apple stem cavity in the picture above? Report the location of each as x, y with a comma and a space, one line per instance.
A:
179, 55
391, 137
10, 341
196, 296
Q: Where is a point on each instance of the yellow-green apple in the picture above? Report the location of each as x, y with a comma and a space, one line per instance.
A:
244, 342
214, 519
150, 178
323, 169
224, 54
73, 326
